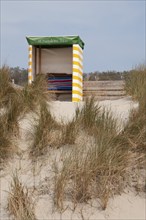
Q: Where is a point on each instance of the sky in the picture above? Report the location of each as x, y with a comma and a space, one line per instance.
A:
114, 32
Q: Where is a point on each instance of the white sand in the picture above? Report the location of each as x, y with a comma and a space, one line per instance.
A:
124, 207
128, 206
120, 109
119, 106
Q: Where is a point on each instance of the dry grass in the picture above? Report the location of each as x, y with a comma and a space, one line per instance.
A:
19, 202
28, 98
5, 86
135, 130
10, 101
87, 116
91, 119
14, 104
98, 171
9, 112
43, 131
105, 124
70, 130
69, 133
136, 127
94, 119
32, 95
49, 133
102, 170
13, 112
5, 142
95, 171
135, 82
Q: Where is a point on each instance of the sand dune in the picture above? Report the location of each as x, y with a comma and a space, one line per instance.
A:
128, 206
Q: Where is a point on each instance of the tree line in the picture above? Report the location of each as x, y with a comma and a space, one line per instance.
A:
20, 75
105, 75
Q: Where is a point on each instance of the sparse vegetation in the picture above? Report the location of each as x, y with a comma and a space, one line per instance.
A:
135, 130
43, 129
9, 113
34, 94
70, 130
136, 127
13, 112
93, 171
135, 83
87, 116
98, 169
19, 203
15, 103
5, 87
94, 119
5, 143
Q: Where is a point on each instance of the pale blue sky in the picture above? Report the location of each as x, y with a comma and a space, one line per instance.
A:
113, 31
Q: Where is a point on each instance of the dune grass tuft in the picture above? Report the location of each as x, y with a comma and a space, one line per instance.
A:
69, 133
136, 128
70, 130
87, 115
43, 129
97, 170
19, 202
135, 82
15, 103
5, 86
32, 95
5, 142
